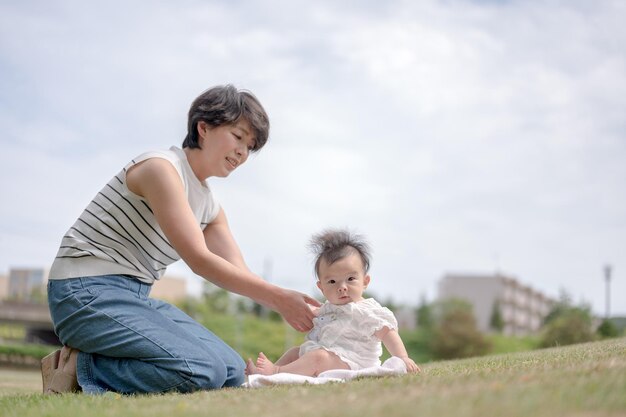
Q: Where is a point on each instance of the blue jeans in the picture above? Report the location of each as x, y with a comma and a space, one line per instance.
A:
130, 343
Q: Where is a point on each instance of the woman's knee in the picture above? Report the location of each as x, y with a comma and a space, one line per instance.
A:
208, 378
236, 374
212, 372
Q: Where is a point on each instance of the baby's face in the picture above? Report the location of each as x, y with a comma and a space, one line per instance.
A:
343, 281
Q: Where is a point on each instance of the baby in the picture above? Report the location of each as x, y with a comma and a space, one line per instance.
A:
348, 329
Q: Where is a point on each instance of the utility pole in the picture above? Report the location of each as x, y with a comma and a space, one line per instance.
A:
607, 279
267, 276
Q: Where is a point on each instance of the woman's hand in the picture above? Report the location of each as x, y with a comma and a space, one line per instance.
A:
295, 309
314, 309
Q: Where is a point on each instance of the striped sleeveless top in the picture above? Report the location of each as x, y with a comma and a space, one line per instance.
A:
118, 234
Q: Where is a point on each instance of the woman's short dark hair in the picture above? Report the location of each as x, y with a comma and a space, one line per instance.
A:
223, 105
332, 245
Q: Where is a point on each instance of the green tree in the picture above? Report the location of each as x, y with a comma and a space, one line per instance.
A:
607, 329
455, 334
217, 300
424, 314
567, 324
38, 295
496, 322
562, 306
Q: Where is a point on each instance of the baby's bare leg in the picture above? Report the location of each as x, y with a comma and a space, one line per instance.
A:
266, 367
310, 364
290, 356
315, 362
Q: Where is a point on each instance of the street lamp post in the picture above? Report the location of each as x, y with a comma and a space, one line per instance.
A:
607, 279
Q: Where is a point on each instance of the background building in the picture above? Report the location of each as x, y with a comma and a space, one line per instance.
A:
407, 319
521, 308
27, 284
169, 288
4, 287
23, 301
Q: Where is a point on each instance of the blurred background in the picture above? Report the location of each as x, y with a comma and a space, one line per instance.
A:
468, 140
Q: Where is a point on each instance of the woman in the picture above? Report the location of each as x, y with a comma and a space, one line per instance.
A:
157, 210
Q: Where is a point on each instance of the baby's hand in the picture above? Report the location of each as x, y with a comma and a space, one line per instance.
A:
411, 367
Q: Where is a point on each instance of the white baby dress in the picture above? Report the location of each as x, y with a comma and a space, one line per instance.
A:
348, 331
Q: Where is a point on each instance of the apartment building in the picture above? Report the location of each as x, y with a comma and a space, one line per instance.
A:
169, 288
29, 284
4, 287
522, 308
26, 284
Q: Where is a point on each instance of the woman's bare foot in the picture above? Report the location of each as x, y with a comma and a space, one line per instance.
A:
263, 366
59, 371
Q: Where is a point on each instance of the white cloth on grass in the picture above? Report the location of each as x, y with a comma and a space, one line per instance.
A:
392, 366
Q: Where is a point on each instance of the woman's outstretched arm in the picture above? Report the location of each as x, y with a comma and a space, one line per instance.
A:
158, 182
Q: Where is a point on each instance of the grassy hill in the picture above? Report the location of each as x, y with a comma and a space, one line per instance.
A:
579, 380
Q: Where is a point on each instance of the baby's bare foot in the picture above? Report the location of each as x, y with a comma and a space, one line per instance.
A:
250, 368
264, 366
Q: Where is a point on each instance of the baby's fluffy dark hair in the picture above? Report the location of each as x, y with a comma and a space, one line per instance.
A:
332, 245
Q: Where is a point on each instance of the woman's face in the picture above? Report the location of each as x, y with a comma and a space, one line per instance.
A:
224, 148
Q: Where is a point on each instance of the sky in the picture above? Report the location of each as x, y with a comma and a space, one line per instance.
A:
458, 136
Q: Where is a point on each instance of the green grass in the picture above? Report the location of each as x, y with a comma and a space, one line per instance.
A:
579, 380
23, 355
26, 350
509, 344
249, 335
